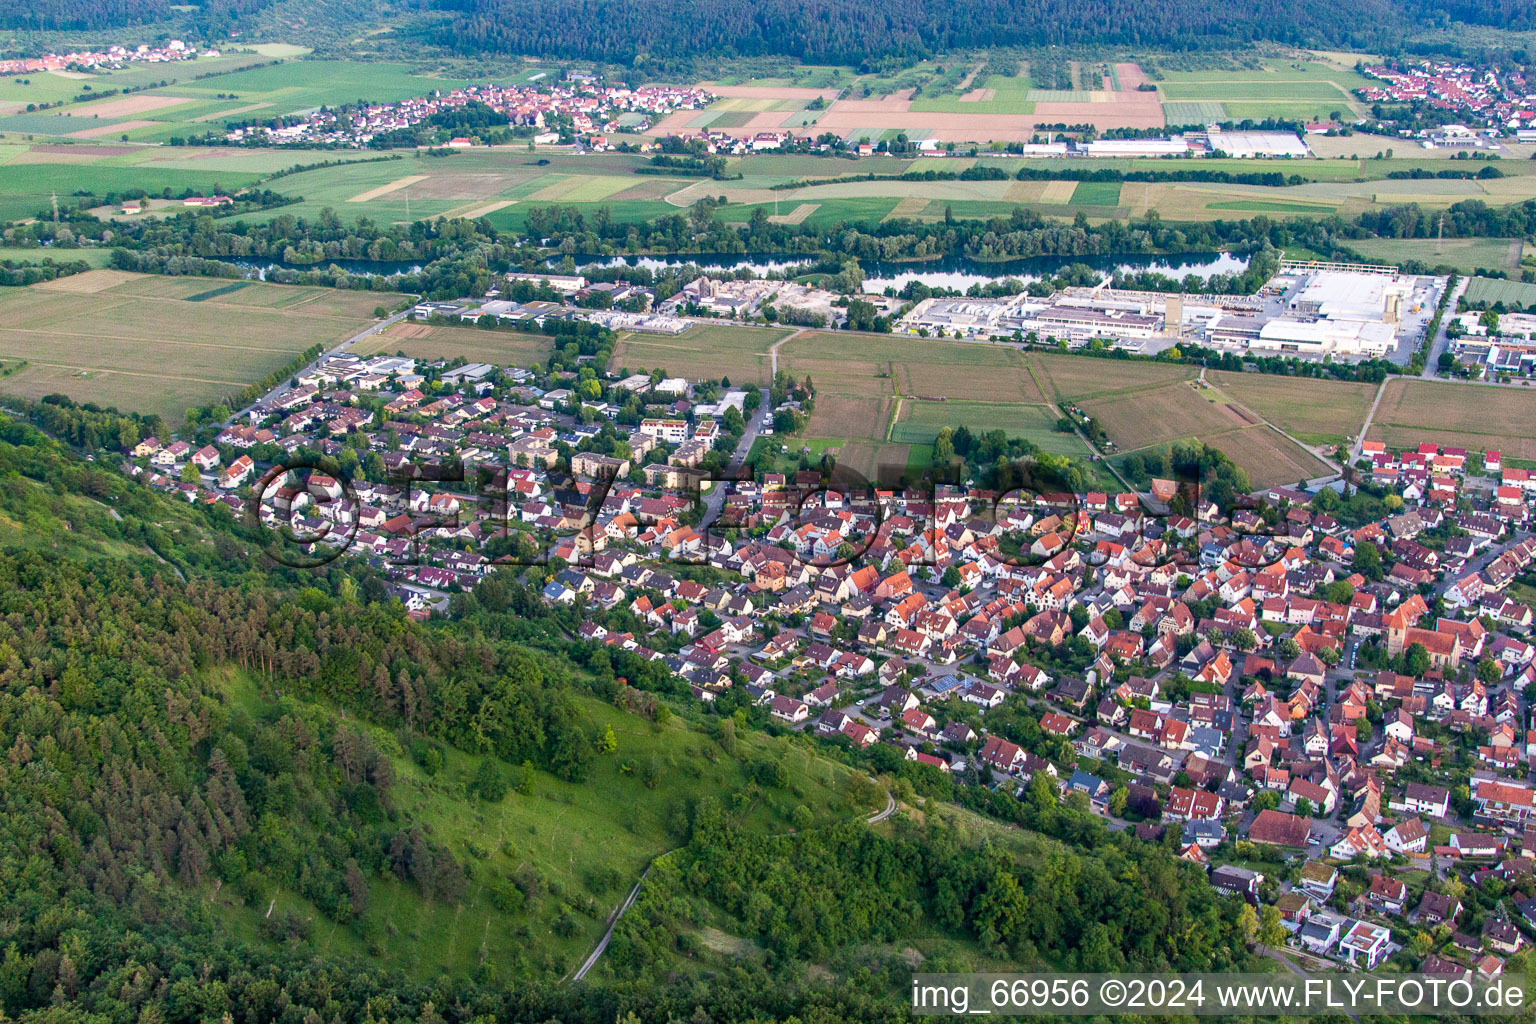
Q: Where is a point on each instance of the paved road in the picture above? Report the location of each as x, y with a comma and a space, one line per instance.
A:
591, 961
879, 816
1441, 341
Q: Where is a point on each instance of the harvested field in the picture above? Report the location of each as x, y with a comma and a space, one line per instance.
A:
478, 209
704, 351
849, 417
1058, 192
979, 96
384, 190
108, 129
797, 215
1268, 457
1472, 416
869, 365
1121, 113
218, 115
1157, 415
1131, 76
125, 106
420, 341
1316, 411
941, 126
88, 283
911, 206
134, 341
1078, 377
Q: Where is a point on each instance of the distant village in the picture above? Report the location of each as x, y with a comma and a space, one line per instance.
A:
1327, 711
1490, 97
584, 106
113, 58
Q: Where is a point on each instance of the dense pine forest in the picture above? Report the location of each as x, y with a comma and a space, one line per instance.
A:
824, 31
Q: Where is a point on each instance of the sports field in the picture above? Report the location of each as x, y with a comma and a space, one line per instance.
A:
702, 352
1473, 416
162, 345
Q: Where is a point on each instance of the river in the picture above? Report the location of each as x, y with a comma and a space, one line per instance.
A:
954, 272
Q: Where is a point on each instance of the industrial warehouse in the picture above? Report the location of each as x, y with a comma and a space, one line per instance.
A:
1345, 311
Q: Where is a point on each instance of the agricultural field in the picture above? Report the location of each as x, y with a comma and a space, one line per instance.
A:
1316, 411
703, 351
1467, 255
1472, 416
876, 365
1284, 88
919, 423
1073, 378
162, 345
1485, 291
421, 341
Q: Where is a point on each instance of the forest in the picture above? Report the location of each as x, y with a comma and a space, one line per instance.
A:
853, 31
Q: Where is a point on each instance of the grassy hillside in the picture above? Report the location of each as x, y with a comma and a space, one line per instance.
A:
548, 862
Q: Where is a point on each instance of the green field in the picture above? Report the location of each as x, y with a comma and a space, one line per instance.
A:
499, 348
1485, 291
919, 423
1269, 206
703, 351
1465, 254
1096, 193
1194, 112
151, 345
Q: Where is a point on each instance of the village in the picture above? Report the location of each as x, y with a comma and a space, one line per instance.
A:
1329, 715
582, 104
110, 59
1488, 96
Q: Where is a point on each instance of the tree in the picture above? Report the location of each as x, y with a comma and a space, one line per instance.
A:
1490, 320
1248, 924
489, 782
944, 447
1266, 801
1367, 560
1117, 801
1246, 640
1304, 808
1488, 671
1416, 659
609, 742
1288, 649
951, 578
1271, 931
